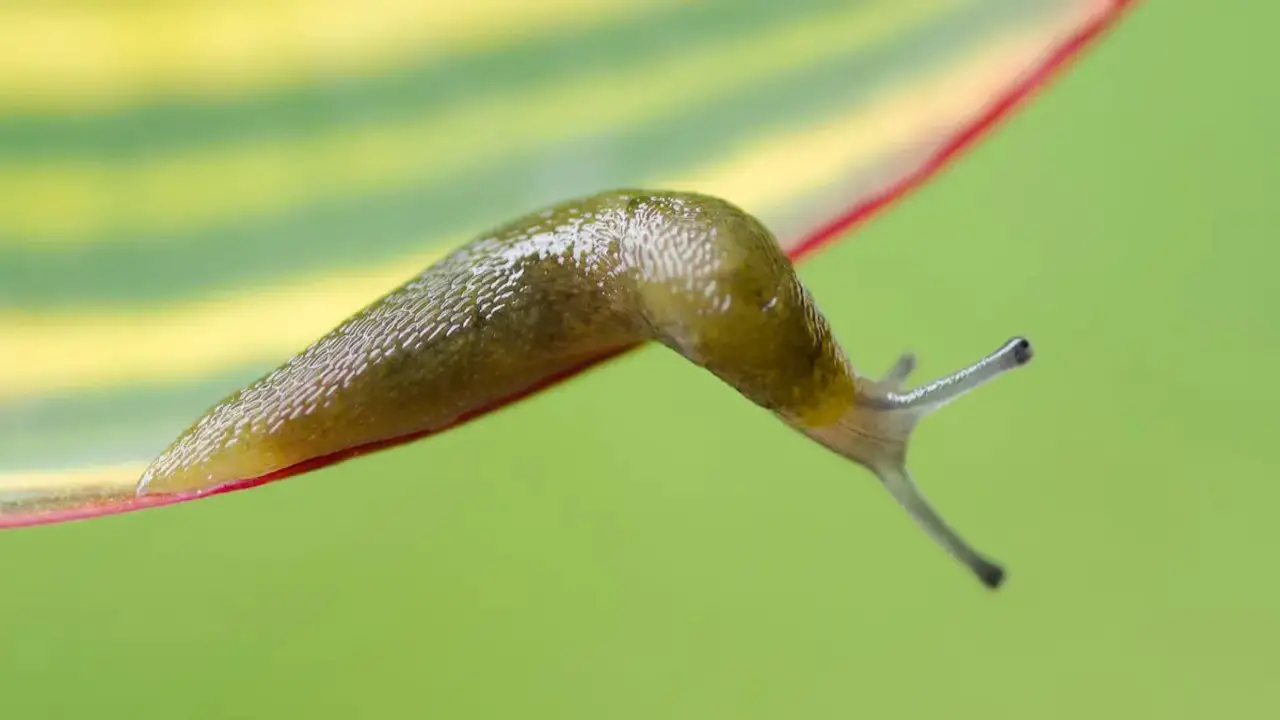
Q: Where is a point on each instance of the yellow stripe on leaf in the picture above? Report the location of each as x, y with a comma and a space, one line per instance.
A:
106, 477
42, 353
781, 169
72, 199
96, 57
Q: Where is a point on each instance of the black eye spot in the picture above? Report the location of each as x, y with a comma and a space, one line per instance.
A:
1022, 352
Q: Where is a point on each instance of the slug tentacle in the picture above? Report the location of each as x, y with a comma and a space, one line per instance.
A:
876, 431
896, 375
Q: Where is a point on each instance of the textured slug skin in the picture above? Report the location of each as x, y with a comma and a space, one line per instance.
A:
524, 303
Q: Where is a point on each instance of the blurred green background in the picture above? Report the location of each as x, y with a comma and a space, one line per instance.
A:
642, 543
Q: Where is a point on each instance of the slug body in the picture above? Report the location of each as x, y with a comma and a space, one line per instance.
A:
553, 291
531, 300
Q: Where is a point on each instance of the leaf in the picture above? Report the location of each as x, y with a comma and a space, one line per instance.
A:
176, 222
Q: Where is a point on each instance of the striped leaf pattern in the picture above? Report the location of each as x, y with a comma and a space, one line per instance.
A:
191, 191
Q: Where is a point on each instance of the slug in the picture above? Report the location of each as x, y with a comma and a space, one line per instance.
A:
549, 293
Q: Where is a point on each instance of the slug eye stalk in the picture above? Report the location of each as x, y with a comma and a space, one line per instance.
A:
875, 434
